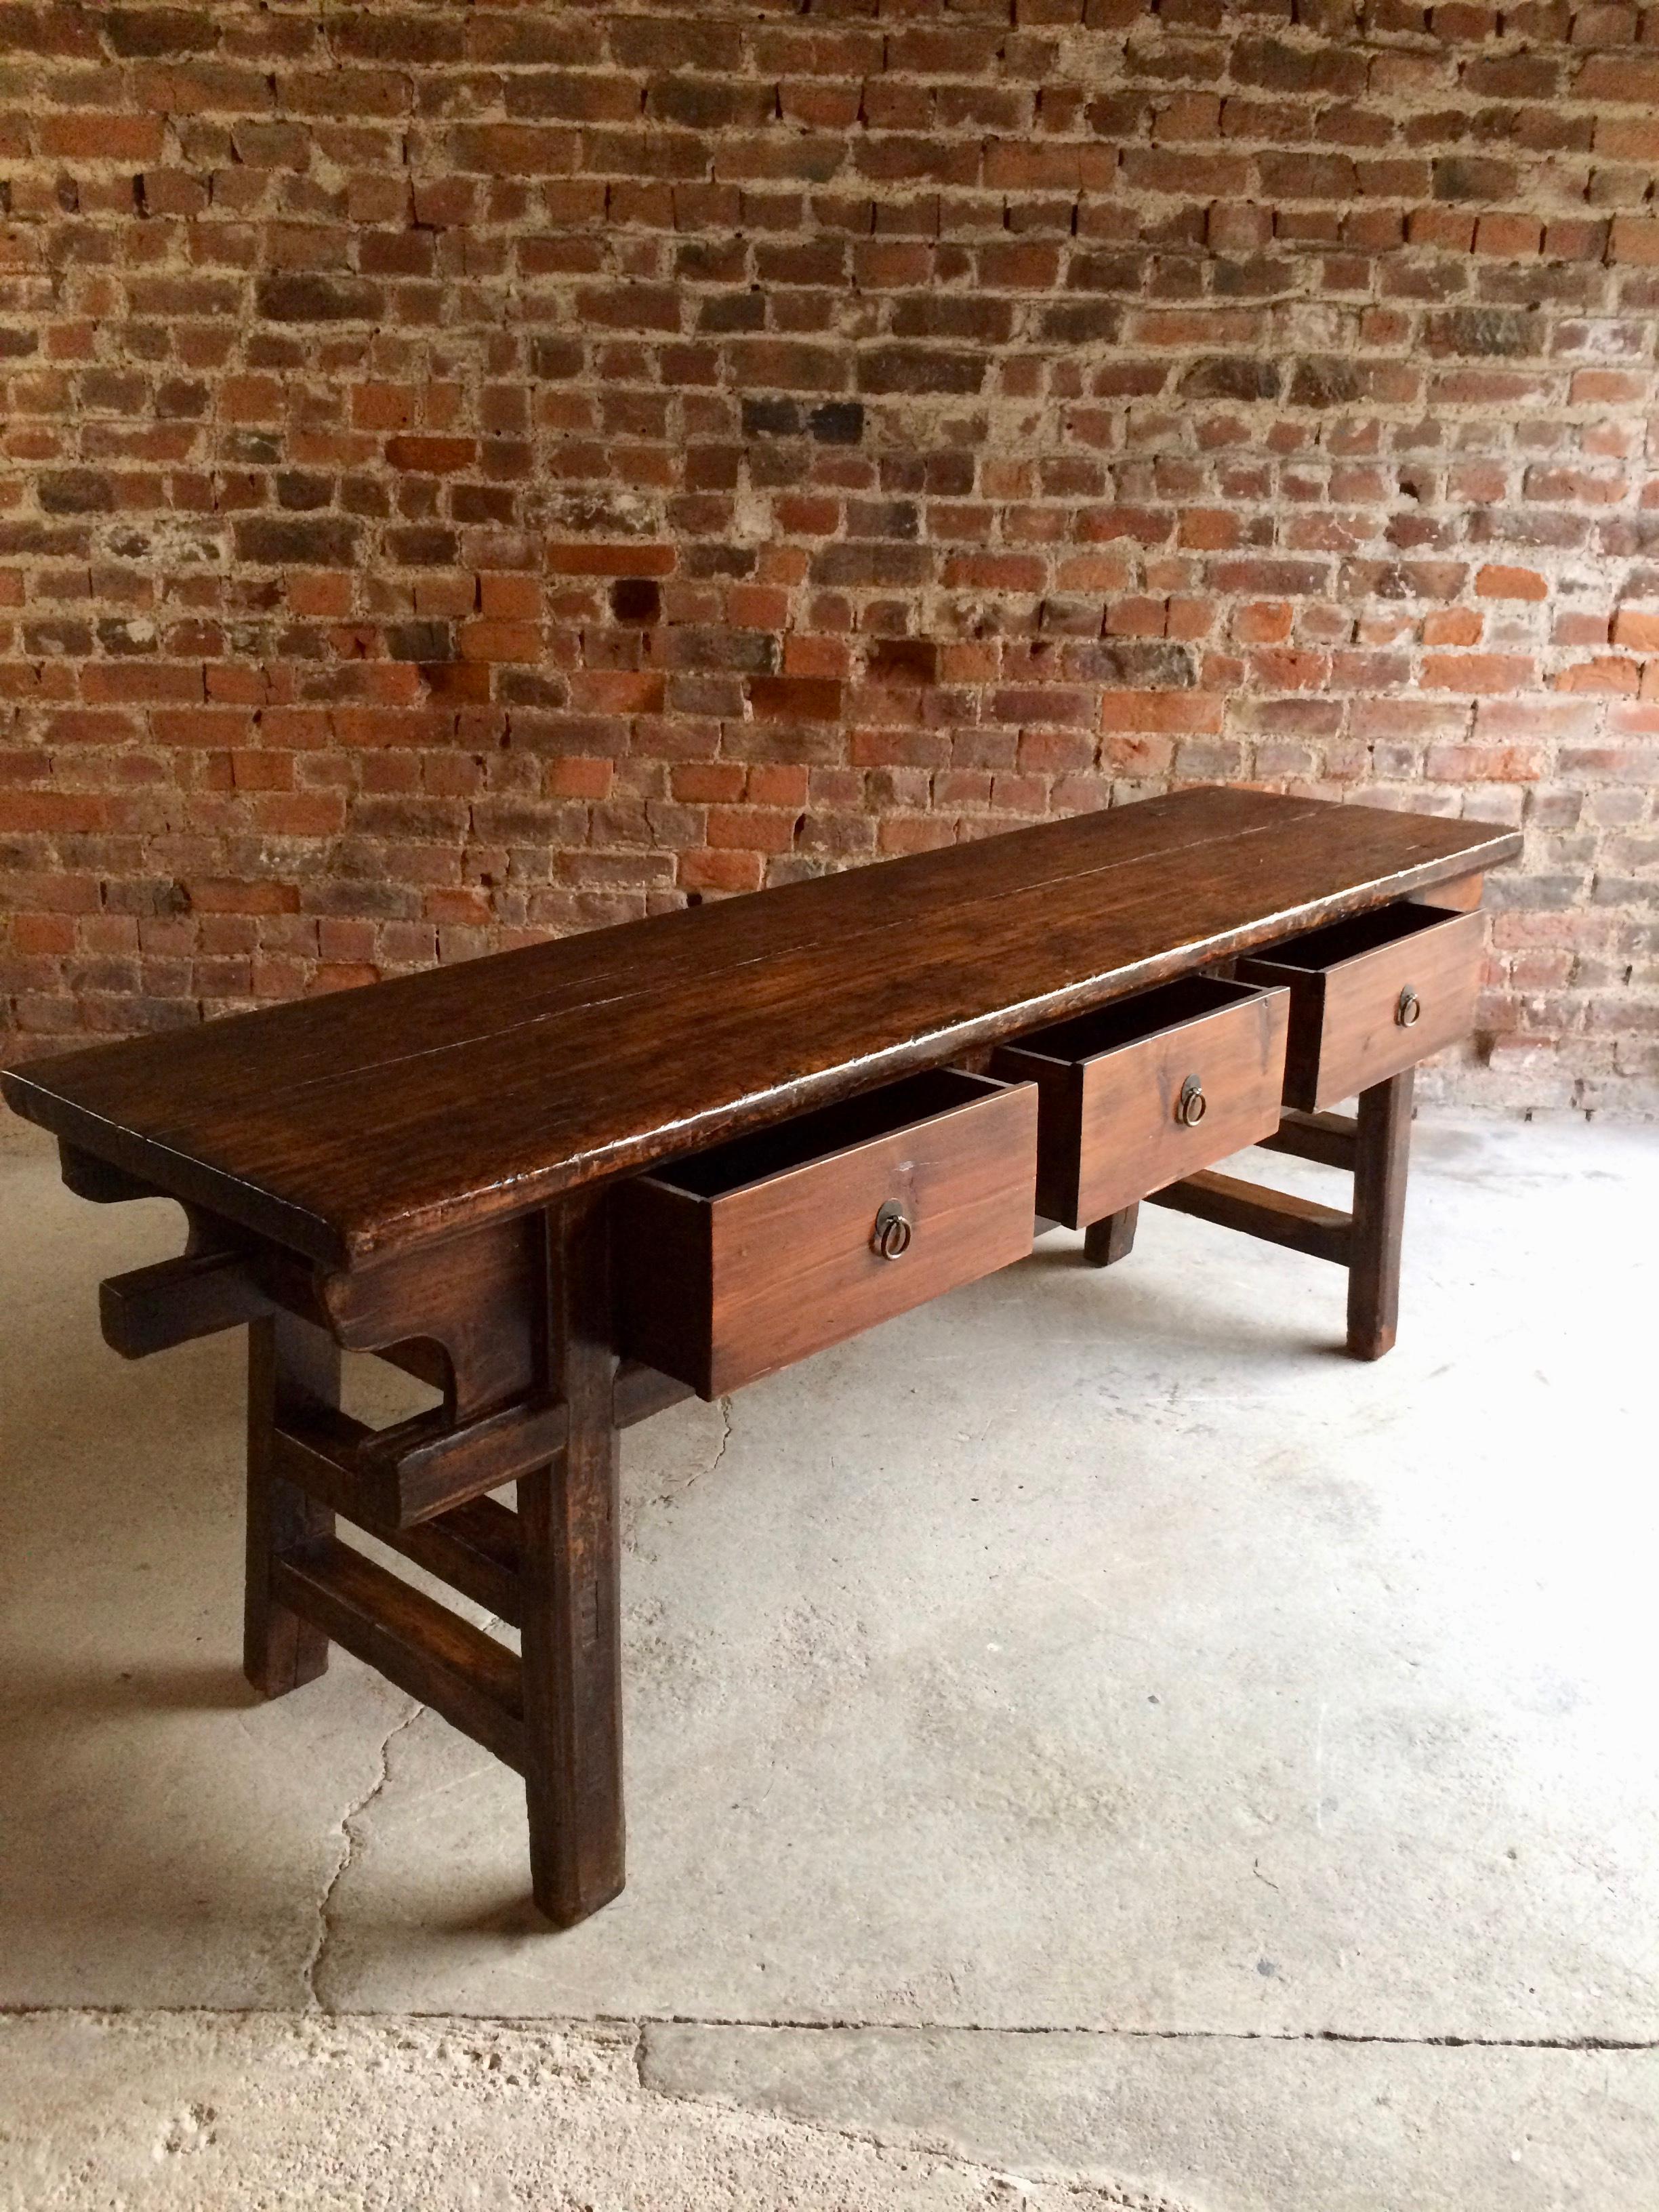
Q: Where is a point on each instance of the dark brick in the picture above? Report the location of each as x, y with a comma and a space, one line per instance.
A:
407, 38
278, 541
420, 641
304, 297
1326, 383
771, 418
557, 359
1232, 376
154, 34
935, 315
838, 422
704, 104
795, 698
1134, 662
75, 491
636, 600
301, 489
920, 369
1082, 322
1336, 69
872, 563
1465, 177
903, 660
1507, 332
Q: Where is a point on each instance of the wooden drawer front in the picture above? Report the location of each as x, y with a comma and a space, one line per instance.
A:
740, 1261
1112, 1124
1348, 988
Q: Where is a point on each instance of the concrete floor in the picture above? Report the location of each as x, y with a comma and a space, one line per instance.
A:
1089, 1745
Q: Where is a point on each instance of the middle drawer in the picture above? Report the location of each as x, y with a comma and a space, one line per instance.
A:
1148, 1090
736, 1262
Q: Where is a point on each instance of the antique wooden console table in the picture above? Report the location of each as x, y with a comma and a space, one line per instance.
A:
568, 1185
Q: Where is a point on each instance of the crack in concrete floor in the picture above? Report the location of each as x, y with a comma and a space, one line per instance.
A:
351, 1843
638, 2026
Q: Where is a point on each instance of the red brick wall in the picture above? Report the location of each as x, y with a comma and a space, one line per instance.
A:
471, 472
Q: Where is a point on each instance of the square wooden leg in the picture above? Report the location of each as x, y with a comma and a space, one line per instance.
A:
293, 1369
570, 1560
1110, 1239
1382, 1134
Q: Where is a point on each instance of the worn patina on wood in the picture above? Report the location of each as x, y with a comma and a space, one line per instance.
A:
425, 1168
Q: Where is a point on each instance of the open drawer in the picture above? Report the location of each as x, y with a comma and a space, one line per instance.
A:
736, 1262
1148, 1090
1371, 996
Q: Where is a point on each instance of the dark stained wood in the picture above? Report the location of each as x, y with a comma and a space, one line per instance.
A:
1113, 1239
373, 1122
477, 1296
445, 1663
1462, 895
742, 1259
430, 1170
570, 1572
294, 1375
474, 1547
1345, 982
1109, 1087
89, 1177
398, 1477
1327, 1137
420, 1356
422, 1467
1319, 1230
1382, 1153
152, 1309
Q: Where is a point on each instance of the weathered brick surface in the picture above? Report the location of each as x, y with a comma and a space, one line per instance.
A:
473, 472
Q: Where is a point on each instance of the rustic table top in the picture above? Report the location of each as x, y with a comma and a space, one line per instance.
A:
370, 1119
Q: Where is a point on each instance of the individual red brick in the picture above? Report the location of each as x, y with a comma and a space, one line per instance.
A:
727, 870
1636, 630
585, 559
1496, 581
1477, 671
1636, 238
1452, 626
616, 691
109, 138
699, 782
432, 456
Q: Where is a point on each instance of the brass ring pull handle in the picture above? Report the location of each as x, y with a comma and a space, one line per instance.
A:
892, 1233
1192, 1105
1409, 1010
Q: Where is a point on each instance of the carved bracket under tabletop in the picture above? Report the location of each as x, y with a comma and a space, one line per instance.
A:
468, 1316
480, 1296
89, 1177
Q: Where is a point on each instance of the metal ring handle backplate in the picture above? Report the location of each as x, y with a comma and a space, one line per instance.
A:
893, 1231
1409, 1010
1192, 1105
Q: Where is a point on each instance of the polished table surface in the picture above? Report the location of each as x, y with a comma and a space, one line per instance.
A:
360, 1123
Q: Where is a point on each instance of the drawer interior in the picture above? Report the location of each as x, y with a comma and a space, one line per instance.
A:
1345, 940
1127, 1021
825, 1131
